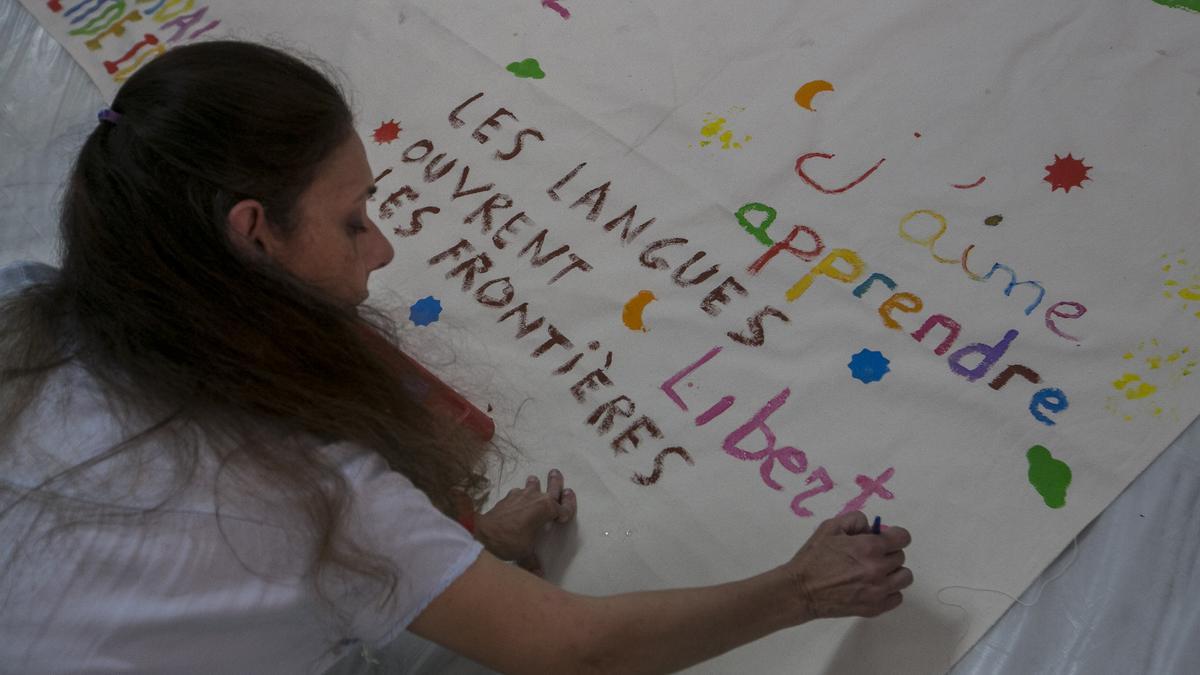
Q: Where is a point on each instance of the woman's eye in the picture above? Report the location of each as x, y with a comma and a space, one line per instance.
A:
358, 227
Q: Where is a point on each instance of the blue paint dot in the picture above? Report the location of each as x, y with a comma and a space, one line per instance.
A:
425, 311
868, 366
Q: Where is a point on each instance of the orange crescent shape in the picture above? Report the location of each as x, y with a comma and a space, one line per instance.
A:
631, 314
805, 94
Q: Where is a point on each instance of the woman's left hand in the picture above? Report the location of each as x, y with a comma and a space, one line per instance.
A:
510, 530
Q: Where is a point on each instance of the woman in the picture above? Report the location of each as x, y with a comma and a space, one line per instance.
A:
211, 454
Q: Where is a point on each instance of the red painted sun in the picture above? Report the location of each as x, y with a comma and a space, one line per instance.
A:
1066, 173
387, 132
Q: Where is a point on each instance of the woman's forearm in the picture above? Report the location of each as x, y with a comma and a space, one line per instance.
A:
665, 631
516, 622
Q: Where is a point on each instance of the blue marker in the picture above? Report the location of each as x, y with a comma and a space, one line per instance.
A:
875, 526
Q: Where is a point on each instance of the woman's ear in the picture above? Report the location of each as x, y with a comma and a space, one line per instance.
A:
248, 228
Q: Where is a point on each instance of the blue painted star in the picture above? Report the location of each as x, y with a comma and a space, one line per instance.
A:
425, 311
868, 366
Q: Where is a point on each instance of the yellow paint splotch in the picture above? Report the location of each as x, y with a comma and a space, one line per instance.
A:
1142, 390
1181, 281
713, 131
1149, 380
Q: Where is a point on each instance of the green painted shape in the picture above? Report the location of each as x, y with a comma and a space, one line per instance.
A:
526, 68
759, 231
1189, 5
1049, 476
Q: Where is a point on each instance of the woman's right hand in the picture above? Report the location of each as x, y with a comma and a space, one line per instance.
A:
845, 570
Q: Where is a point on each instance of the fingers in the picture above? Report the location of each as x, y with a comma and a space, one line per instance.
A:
900, 579
894, 560
863, 574
569, 506
556, 504
892, 602
895, 538
564, 498
854, 522
554, 484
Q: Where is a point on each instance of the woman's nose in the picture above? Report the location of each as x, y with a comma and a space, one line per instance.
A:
382, 249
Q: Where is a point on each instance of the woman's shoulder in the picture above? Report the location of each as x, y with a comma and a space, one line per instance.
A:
17, 275
67, 422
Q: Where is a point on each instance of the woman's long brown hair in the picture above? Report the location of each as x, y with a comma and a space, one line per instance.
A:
156, 303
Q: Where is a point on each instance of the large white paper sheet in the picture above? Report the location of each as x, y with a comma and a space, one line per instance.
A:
705, 449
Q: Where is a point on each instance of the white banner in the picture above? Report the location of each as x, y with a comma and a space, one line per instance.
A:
737, 269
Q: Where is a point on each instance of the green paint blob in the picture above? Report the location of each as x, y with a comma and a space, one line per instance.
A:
526, 68
1049, 476
1190, 5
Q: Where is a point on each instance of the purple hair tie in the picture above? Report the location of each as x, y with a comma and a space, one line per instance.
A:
108, 115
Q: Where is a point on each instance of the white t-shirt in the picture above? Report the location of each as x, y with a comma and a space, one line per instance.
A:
184, 592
